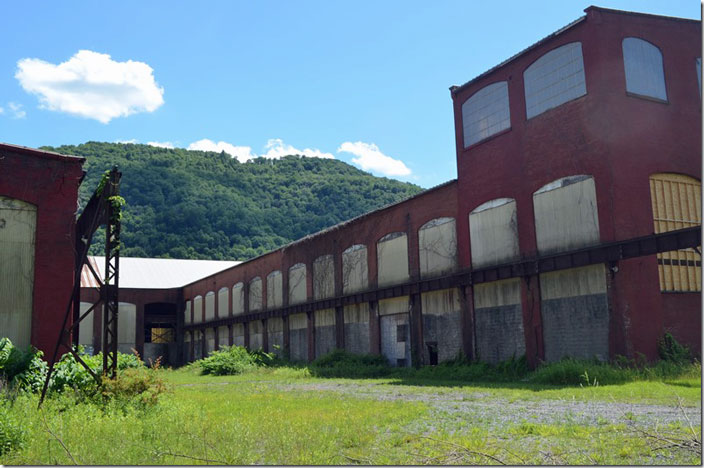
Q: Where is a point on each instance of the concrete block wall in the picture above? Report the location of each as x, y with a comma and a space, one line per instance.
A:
324, 332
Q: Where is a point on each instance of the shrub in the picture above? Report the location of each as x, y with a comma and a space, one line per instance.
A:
22, 369
134, 387
233, 360
12, 435
570, 371
670, 350
340, 363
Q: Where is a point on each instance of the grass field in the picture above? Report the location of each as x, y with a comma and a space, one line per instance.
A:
285, 416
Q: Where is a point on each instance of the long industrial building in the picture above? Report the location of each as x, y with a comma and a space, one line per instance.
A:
572, 229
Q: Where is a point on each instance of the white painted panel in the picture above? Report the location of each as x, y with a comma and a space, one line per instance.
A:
357, 313
85, 331
238, 299
555, 78
223, 302
442, 302
187, 313
297, 322
238, 334
493, 232
255, 294
485, 113
566, 217
642, 62
392, 259
197, 309
324, 318
437, 246
18, 221
275, 325
396, 305
209, 340
323, 277
497, 293
209, 306
274, 290
255, 335
574, 282
223, 336
354, 269
126, 324
297, 284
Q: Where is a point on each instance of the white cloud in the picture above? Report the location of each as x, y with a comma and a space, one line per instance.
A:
161, 144
2, 111
370, 158
242, 153
133, 141
276, 149
92, 85
17, 111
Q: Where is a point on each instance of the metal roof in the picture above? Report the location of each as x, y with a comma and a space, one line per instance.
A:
155, 273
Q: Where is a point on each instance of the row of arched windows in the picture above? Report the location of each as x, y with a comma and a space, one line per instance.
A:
566, 218
558, 77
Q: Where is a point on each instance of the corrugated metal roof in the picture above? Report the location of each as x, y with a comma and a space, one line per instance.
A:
156, 273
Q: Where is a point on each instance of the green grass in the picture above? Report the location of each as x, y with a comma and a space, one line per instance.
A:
285, 415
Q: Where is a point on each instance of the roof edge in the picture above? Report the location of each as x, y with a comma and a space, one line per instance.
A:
42, 153
334, 227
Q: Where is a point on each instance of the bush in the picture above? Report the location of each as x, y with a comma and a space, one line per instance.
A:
233, 360
22, 369
12, 435
340, 363
670, 350
134, 387
570, 371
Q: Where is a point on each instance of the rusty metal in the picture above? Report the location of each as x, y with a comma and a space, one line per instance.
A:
98, 211
608, 252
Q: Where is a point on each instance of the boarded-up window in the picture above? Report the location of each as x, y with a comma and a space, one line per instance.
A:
297, 284
223, 300
566, 215
437, 247
323, 277
642, 62
274, 290
677, 204
255, 294
187, 313
392, 258
493, 230
238, 299
18, 221
354, 269
209, 305
555, 78
485, 113
197, 309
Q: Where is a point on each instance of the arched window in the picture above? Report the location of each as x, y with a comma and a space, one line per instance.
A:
274, 290
555, 78
323, 277
297, 288
485, 113
677, 204
493, 232
642, 62
209, 305
437, 246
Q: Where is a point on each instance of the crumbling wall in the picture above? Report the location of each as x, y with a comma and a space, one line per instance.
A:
298, 337
574, 304
324, 331
357, 328
275, 330
498, 316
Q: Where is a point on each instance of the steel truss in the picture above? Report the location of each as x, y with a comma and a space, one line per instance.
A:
103, 208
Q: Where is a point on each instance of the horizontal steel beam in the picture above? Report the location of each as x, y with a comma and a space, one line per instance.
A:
608, 252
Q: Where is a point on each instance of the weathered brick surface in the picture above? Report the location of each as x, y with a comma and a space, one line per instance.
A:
394, 346
576, 326
499, 332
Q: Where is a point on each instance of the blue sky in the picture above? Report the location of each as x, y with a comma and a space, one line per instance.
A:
365, 82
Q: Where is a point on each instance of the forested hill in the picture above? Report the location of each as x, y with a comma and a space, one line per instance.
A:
195, 204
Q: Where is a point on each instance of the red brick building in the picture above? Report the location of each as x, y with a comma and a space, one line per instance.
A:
38, 204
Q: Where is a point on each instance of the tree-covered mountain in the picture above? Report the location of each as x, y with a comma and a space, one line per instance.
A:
195, 204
